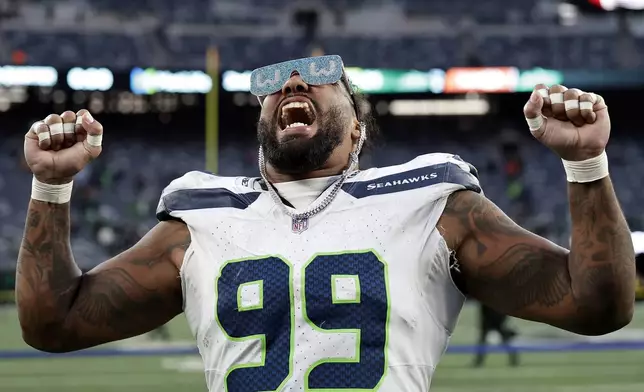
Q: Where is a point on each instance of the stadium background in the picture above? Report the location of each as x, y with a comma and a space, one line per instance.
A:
169, 81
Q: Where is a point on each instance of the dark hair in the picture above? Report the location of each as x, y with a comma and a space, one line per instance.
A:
364, 113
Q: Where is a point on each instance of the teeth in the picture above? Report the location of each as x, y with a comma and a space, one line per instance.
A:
294, 105
296, 124
297, 105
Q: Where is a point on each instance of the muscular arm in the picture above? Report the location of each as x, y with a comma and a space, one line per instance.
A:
587, 290
62, 309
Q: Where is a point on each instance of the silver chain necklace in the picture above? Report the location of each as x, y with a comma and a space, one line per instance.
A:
300, 220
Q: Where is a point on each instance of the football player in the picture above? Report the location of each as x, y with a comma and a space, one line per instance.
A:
319, 275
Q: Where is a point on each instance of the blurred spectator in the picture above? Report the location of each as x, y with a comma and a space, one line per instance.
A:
491, 321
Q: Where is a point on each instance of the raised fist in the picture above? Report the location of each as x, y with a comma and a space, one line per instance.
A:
572, 123
60, 146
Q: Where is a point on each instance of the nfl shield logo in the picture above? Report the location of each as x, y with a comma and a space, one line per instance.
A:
299, 225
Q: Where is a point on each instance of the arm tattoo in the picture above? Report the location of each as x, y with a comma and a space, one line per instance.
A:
602, 258
62, 309
46, 272
522, 274
535, 276
118, 301
478, 215
500, 267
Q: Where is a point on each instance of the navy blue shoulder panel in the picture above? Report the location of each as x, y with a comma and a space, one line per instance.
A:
414, 179
473, 170
197, 199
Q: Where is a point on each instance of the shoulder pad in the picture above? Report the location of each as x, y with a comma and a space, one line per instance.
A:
471, 168
422, 171
198, 190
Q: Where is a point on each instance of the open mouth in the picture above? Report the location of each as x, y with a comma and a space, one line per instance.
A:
296, 114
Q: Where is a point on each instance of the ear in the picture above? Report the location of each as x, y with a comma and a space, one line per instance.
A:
355, 132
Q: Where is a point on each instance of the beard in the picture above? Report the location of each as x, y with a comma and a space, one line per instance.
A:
296, 154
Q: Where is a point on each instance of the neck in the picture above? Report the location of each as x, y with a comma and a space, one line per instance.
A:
337, 163
275, 176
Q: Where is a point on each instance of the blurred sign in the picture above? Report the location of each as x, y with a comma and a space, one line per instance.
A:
236, 81
11, 75
603, 6
439, 107
610, 5
92, 79
529, 78
498, 79
150, 81
384, 81
373, 81
494, 80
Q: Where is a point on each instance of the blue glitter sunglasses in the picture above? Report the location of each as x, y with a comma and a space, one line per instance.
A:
314, 71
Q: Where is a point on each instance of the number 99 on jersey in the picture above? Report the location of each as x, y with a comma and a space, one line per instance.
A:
340, 293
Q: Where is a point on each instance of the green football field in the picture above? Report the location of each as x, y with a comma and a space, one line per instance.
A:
590, 371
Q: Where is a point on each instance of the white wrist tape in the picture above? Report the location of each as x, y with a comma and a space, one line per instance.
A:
590, 170
57, 194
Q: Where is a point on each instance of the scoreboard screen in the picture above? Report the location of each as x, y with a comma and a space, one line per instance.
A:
601, 6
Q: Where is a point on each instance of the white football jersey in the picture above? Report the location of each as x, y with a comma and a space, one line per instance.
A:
361, 299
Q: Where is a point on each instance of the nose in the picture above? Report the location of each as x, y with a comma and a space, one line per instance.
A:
295, 84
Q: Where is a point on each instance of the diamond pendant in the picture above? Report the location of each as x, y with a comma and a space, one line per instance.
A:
299, 225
